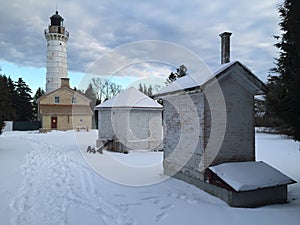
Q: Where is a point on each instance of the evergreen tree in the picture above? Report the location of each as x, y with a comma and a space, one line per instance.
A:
24, 107
259, 112
150, 90
3, 100
39, 93
2, 124
141, 87
283, 99
12, 99
3, 96
145, 90
180, 72
90, 93
7, 110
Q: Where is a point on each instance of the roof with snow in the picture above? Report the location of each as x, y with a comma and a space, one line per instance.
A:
192, 81
246, 176
130, 98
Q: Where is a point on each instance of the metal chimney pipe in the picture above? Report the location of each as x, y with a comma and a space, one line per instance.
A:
225, 47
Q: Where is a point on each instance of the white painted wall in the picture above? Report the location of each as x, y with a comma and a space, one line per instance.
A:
139, 129
57, 66
239, 140
187, 129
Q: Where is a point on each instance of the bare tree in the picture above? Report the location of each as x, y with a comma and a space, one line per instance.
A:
180, 72
115, 88
105, 88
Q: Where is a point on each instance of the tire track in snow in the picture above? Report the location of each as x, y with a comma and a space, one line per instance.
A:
53, 183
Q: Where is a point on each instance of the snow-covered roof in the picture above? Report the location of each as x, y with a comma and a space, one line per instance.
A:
246, 176
130, 98
199, 80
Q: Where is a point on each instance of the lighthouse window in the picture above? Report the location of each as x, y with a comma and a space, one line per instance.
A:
56, 99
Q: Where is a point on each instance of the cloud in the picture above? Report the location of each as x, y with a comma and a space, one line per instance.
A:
96, 27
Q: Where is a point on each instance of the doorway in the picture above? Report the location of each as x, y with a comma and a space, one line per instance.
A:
53, 122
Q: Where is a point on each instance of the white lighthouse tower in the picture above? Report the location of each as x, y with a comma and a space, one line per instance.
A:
57, 65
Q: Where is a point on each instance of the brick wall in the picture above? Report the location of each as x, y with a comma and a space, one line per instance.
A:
183, 133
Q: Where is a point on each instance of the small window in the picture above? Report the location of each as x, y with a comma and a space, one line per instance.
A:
74, 100
56, 99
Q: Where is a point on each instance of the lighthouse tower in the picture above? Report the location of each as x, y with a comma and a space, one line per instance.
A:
57, 66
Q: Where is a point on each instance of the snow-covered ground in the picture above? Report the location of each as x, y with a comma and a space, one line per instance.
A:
46, 180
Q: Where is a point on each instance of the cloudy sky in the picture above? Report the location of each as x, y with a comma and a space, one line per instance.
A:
99, 26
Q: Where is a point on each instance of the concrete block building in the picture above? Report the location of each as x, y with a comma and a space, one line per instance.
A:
132, 120
210, 122
186, 108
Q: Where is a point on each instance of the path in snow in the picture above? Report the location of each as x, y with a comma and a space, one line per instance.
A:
59, 188
55, 185
10, 173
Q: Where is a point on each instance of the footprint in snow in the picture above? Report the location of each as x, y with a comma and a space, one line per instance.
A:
161, 216
169, 206
150, 198
157, 201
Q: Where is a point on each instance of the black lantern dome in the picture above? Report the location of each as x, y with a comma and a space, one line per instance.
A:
56, 20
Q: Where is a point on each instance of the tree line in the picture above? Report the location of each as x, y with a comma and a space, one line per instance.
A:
100, 90
280, 108
16, 102
146, 90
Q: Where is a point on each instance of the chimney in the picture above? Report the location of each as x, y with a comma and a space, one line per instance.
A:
225, 47
64, 82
